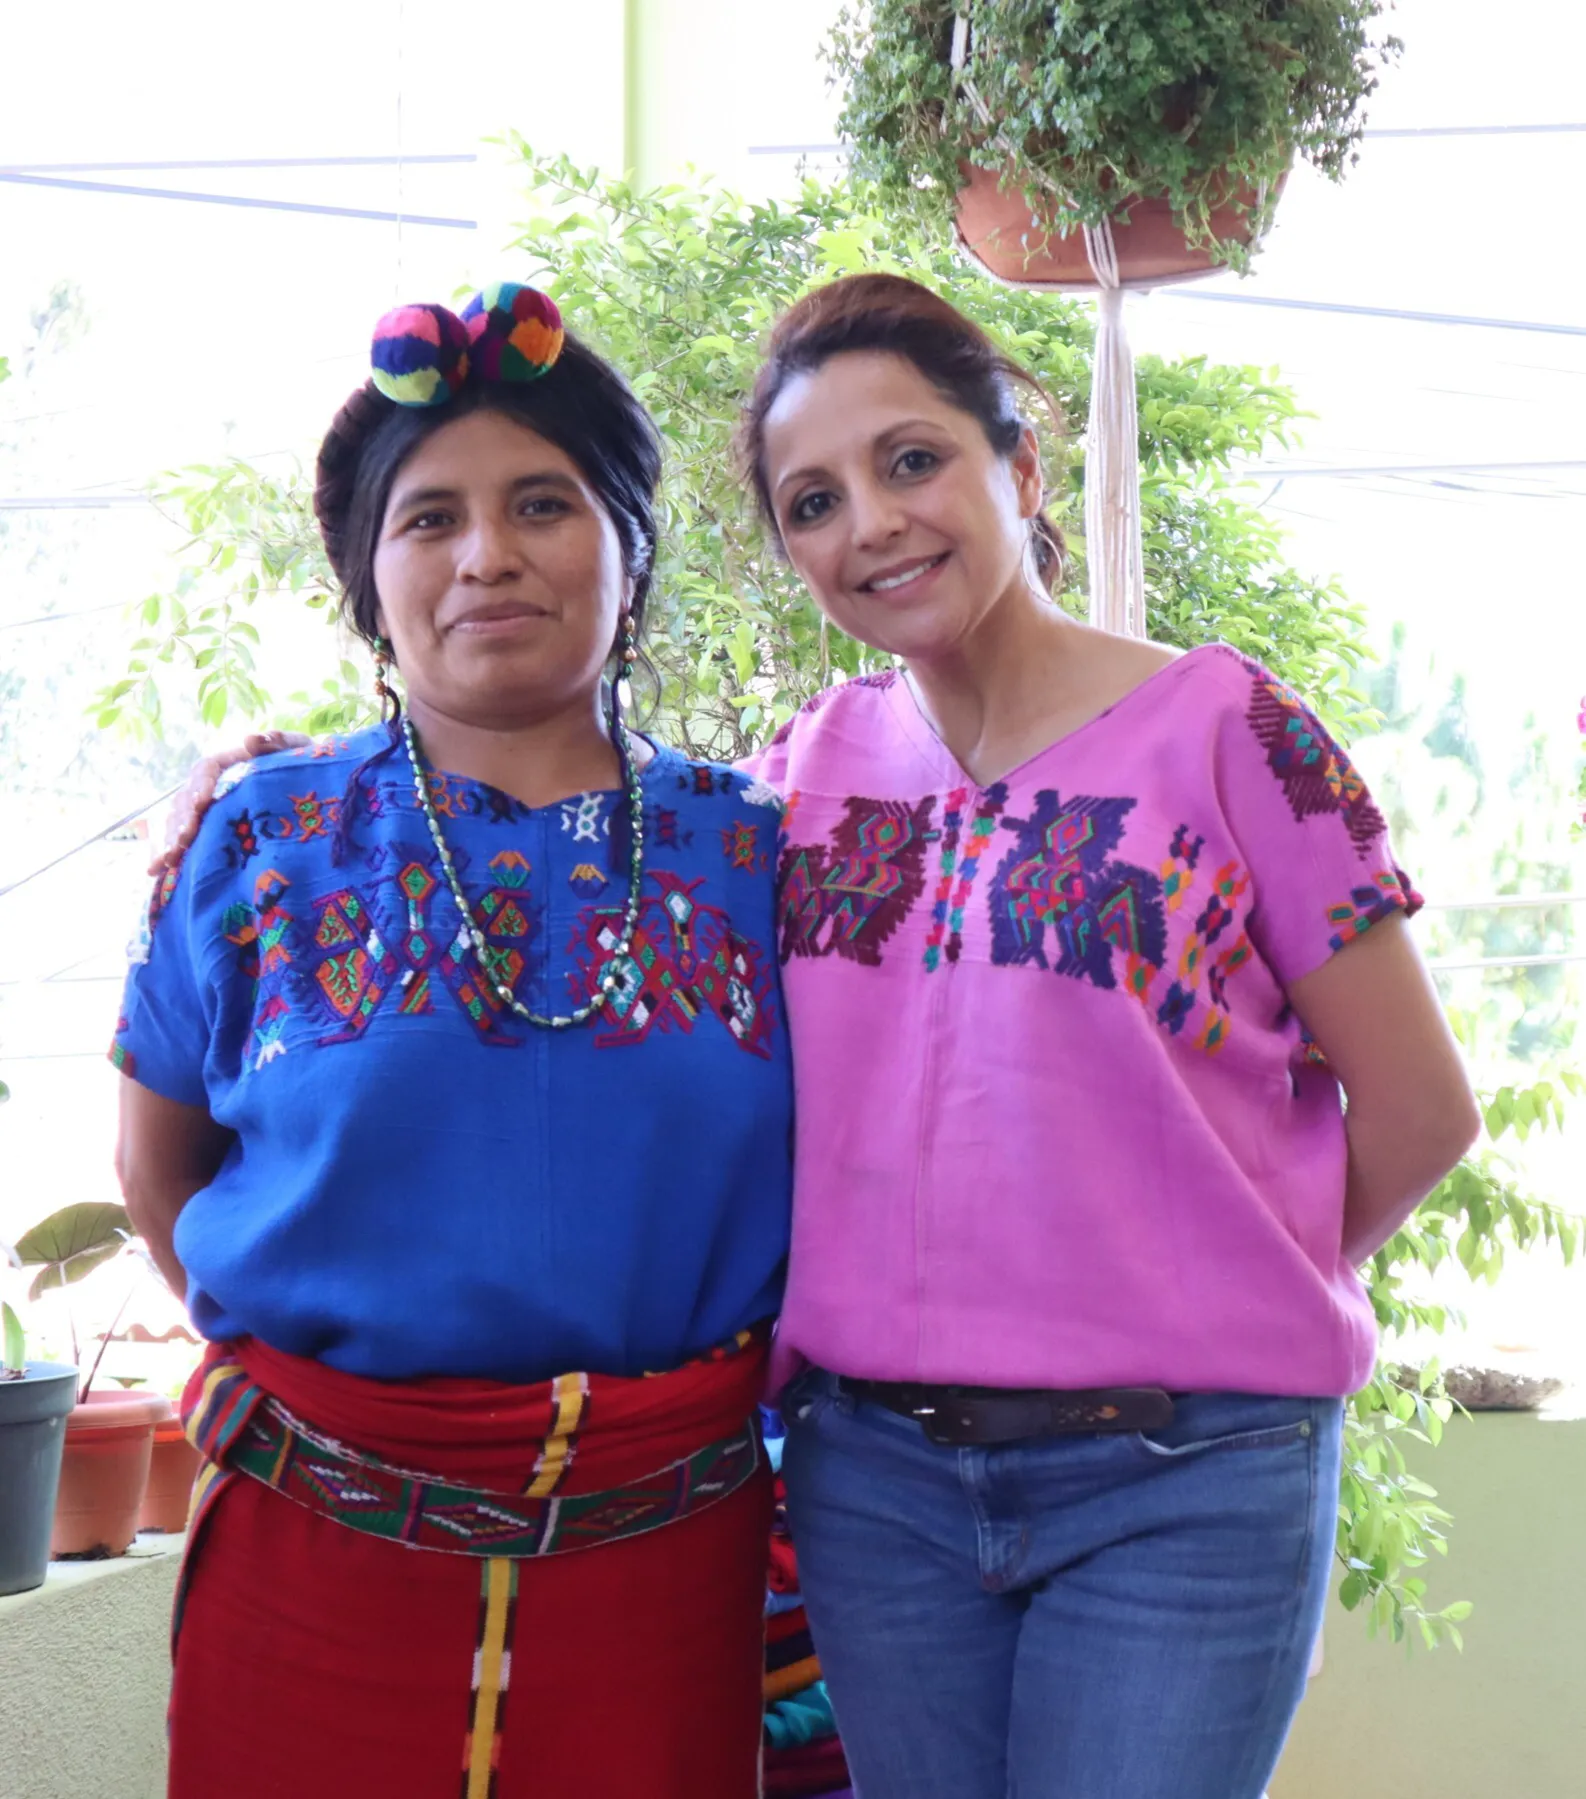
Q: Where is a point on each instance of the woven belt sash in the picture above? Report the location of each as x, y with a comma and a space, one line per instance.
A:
368, 1494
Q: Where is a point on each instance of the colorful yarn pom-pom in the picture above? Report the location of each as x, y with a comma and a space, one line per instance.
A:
514, 332
420, 355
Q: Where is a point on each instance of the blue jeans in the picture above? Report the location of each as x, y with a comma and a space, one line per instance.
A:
1076, 1617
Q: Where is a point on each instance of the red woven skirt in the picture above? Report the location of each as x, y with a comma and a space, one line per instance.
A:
331, 1641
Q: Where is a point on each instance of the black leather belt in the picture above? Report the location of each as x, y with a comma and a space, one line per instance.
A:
981, 1415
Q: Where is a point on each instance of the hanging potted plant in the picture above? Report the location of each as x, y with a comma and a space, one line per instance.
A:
1020, 123
109, 1436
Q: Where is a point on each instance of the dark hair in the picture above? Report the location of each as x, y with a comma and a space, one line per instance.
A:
899, 317
582, 405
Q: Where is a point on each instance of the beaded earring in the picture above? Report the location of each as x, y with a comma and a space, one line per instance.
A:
382, 687
627, 654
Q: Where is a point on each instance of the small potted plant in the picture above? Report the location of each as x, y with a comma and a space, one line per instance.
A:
35, 1398
1020, 123
109, 1436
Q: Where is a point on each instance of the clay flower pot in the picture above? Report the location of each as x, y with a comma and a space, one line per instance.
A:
172, 1471
997, 229
104, 1471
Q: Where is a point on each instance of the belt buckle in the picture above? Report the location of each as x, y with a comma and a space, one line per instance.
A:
984, 1419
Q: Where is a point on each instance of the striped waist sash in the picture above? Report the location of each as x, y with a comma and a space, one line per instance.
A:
240, 1429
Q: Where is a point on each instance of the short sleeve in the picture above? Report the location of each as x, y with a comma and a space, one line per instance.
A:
165, 1027
1315, 844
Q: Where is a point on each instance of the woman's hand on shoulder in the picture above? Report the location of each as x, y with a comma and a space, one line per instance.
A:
190, 805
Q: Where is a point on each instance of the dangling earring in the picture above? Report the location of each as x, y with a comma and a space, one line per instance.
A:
382, 688
627, 655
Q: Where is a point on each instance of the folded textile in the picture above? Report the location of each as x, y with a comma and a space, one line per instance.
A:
800, 1719
794, 1678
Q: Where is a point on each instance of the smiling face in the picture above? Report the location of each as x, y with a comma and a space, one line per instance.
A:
908, 528
500, 575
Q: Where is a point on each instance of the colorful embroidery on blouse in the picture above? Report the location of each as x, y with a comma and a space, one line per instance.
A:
952, 897
310, 816
740, 845
685, 959
846, 897
1060, 876
389, 939
1060, 898
259, 934
704, 779
1389, 892
586, 817
1318, 778
1178, 871
663, 830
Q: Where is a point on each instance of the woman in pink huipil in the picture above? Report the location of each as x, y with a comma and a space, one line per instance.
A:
1082, 940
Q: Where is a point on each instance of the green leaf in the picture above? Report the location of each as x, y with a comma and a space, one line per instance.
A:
16, 1349
72, 1242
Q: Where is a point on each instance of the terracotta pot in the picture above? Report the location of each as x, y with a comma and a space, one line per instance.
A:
997, 229
109, 1443
172, 1471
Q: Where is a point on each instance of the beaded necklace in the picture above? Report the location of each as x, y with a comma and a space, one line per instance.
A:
630, 917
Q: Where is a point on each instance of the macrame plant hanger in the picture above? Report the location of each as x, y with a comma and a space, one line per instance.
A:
1113, 545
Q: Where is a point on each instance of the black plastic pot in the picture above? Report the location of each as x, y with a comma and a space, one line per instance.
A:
32, 1431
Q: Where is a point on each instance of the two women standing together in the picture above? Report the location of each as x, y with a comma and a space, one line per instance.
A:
463, 1066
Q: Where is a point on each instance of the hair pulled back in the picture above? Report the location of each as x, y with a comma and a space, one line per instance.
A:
899, 317
582, 405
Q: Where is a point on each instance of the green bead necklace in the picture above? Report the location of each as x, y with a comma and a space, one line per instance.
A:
476, 936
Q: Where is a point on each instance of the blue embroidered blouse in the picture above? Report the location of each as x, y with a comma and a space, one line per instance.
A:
422, 1183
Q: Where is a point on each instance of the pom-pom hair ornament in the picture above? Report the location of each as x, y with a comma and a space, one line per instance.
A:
422, 355
419, 356
514, 332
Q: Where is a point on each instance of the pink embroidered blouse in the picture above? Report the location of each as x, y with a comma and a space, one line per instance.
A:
1057, 1124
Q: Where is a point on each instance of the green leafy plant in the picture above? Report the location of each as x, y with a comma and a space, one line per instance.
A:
1389, 1522
250, 534
64, 1247
678, 286
1092, 104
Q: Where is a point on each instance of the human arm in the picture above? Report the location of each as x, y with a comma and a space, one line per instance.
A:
1374, 1013
190, 805
165, 1152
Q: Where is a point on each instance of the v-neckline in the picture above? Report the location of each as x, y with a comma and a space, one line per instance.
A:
910, 715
